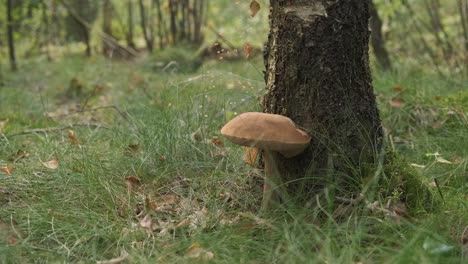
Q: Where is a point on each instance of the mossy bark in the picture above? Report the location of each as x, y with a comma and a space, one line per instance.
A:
317, 73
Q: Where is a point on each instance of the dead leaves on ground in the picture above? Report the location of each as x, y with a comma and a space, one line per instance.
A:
254, 8
52, 164
195, 251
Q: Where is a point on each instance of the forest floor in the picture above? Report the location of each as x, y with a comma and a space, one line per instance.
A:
107, 160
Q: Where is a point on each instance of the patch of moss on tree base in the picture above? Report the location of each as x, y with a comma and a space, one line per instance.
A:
403, 182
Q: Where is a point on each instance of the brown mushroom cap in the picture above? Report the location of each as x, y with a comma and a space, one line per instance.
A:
267, 131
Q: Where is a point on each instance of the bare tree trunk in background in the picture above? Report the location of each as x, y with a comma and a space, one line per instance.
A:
129, 36
188, 23
160, 24
11, 41
182, 22
198, 8
377, 38
146, 27
463, 9
173, 25
45, 20
438, 29
107, 49
317, 74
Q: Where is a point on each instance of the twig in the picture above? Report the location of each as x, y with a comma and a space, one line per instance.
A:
80, 111
52, 129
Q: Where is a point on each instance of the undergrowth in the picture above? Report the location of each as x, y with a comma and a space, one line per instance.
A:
151, 178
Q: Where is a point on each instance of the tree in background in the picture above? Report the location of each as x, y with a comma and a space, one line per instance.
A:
317, 73
130, 31
11, 40
377, 38
107, 49
80, 15
146, 22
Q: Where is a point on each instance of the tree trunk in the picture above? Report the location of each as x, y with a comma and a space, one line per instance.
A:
129, 37
173, 15
145, 27
317, 73
107, 49
160, 24
377, 39
11, 41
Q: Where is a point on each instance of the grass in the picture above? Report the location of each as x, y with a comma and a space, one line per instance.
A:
90, 208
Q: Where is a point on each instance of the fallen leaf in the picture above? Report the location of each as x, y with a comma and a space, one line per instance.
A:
123, 257
217, 142
250, 155
397, 102
147, 223
133, 184
254, 8
398, 88
51, 164
3, 124
436, 247
247, 50
71, 136
196, 251
442, 160
8, 169
197, 135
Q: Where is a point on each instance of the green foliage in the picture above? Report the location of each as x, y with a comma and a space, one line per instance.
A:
86, 10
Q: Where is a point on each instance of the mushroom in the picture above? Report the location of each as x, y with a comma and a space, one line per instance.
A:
273, 134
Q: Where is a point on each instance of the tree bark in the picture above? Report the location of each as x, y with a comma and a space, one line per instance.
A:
377, 39
11, 40
317, 74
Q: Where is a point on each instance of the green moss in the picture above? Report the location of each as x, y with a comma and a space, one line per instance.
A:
403, 182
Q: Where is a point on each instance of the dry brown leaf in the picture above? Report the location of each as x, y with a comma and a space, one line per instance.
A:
250, 155
397, 102
196, 251
217, 142
51, 164
254, 8
7, 169
133, 184
398, 88
147, 223
72, 137
247, 50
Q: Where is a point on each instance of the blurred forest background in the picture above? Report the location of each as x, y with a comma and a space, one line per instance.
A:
420, 32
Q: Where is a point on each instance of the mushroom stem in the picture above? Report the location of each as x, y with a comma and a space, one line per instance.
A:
273, 190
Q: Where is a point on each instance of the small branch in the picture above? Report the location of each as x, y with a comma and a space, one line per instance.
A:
121, 113
52, 129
